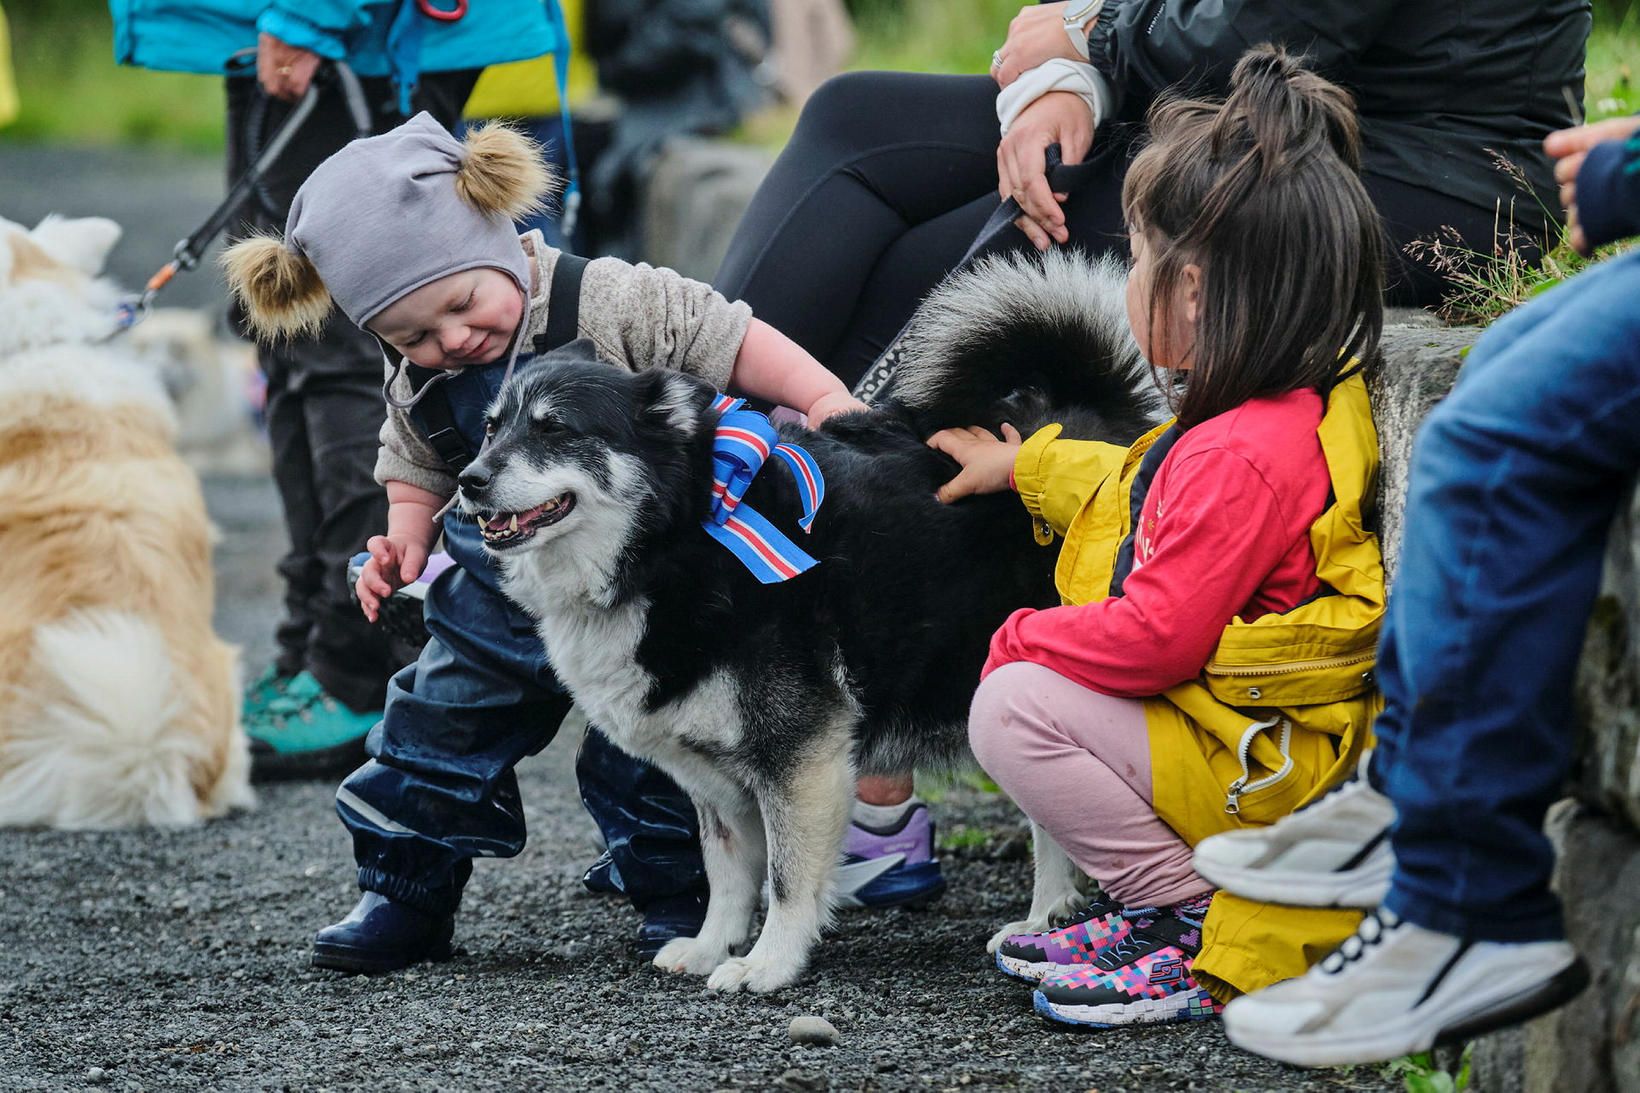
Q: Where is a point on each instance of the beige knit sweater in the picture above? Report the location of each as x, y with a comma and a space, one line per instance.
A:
636, 316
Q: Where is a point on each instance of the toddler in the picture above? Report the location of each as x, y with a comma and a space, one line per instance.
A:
411, 235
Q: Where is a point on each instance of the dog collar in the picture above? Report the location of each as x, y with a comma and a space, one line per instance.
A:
743, 442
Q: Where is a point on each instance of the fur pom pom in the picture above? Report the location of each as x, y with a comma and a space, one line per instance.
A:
281, 290
504, 173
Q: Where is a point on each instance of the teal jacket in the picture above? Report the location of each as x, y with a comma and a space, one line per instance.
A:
375, 37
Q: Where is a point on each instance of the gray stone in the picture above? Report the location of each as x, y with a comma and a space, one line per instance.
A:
1418, 367
813, 1030
1593, 1043
693, 200
1608, 682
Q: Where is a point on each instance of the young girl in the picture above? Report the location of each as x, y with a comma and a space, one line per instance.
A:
1211, 665
410, 234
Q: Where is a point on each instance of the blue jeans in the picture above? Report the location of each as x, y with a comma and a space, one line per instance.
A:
1515, 481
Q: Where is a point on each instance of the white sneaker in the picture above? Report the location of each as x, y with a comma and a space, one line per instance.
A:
1332, 853
1395, 988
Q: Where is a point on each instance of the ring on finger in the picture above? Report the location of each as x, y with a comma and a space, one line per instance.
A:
996, 59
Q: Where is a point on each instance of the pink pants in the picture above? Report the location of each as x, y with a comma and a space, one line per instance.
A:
1078, 763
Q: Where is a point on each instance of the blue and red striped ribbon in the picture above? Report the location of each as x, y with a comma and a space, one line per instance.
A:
745, 439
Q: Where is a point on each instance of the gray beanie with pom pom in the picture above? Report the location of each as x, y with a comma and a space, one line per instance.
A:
382, 217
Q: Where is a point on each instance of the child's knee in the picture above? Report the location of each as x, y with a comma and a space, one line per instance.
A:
998, 717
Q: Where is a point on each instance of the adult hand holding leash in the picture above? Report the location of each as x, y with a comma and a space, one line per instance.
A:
1569, 147
1035, 35
283, 70
1058, 117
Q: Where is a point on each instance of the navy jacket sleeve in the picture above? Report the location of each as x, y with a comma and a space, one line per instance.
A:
1144, 46
1608, 191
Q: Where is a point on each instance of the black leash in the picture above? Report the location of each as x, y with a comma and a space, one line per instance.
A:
188, 251
1062, 178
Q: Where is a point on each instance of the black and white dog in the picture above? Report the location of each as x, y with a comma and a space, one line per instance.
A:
766, 701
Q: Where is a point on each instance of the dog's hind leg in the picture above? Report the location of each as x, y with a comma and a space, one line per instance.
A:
732, 846
1060, 888
804, 816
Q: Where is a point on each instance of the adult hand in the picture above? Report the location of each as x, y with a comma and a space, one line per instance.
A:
1058, 117
284, 70
1569, 147
1035, 35
987, 463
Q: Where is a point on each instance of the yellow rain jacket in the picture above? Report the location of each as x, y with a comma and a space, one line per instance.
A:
1283, 708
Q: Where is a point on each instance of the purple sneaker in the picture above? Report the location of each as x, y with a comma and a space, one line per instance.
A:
1080, 941
890, 867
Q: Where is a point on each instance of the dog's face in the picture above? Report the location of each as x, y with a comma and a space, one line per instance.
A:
49, 288
582, 457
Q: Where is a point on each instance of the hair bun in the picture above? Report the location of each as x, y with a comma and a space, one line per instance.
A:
1288, 110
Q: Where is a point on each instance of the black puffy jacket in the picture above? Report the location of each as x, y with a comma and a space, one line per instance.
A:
1440, 85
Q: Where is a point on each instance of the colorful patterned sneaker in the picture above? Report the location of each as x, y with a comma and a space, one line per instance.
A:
891, 866
1144, 979
305, 733
1076, 942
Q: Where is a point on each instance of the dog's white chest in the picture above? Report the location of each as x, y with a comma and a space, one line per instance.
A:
595, 653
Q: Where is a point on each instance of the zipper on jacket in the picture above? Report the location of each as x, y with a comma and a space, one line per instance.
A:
1343, 660
1242, 786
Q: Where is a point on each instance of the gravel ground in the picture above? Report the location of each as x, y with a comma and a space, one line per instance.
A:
164, 960
178, 960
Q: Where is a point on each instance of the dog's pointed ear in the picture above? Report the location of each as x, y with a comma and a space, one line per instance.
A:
82, 243
673, 400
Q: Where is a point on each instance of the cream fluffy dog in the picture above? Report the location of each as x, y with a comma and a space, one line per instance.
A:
118, 704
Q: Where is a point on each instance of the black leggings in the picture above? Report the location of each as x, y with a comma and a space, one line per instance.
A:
889, 178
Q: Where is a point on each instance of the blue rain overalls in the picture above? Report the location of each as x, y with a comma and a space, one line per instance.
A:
439, 788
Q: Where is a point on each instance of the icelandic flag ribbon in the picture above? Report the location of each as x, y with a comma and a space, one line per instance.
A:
745, 439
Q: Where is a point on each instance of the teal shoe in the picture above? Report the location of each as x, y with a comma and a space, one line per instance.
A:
261, 691
304, 732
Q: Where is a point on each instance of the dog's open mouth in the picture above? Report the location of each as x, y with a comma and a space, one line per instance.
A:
506, 529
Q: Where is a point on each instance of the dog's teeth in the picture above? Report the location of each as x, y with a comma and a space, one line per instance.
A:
513, 524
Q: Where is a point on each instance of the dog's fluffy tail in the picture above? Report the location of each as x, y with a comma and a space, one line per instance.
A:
1031, 336
103, 737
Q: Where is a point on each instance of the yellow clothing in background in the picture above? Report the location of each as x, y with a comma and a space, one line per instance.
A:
8, 86
529, 89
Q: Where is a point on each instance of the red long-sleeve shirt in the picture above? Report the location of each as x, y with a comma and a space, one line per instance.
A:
1223, 531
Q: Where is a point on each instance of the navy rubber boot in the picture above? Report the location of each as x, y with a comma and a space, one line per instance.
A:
667, 918
382, 935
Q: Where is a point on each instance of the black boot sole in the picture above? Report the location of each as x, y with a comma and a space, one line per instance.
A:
268, 765
354, 962
1551, 994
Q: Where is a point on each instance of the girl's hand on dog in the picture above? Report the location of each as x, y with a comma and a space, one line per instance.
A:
987, 463
394, 562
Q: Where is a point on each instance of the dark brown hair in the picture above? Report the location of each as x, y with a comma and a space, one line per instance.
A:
1262, 192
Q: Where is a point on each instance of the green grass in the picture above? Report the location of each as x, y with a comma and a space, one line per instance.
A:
71, 91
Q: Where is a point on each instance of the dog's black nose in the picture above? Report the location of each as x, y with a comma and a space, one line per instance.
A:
475, 477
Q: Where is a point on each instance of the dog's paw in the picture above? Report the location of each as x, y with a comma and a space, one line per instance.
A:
1064, 907
1023, 926
745, 973
687, 956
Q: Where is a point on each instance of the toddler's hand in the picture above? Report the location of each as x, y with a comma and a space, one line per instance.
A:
986, 461
394, 563
838, 402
